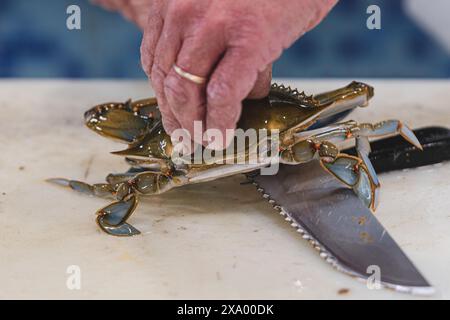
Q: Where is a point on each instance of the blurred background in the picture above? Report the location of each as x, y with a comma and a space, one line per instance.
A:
414, 41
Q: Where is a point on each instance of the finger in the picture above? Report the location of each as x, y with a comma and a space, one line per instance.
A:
152, 33
187, 99
262, 85
230, 83
165, 54
186, 102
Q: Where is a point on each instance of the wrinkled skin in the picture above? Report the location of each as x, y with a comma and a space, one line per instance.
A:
232, 43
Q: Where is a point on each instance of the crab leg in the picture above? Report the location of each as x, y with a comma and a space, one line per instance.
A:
385, 128
159, 165
117, 178
112, 218
361, 133
334, 133
113, 189
357, 173
125, 188
350, 129
353, 172
102, 190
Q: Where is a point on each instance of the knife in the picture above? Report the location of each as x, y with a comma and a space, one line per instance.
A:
336, 223
395, 153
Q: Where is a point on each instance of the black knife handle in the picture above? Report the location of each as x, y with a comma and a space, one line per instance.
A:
395, 153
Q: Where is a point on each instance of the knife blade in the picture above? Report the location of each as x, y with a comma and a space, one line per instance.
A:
345, 232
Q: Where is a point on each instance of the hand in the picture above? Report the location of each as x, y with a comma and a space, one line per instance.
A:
231, 43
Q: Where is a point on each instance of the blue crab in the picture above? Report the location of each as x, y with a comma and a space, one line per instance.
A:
292, 113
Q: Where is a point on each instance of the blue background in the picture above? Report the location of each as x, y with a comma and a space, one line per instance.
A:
34, 42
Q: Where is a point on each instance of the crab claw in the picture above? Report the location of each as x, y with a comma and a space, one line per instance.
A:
366, 190
409, 135
355, 173
159, 142
119, 121
123, 230
111, 219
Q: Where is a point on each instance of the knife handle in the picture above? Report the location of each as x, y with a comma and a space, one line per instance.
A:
395, 153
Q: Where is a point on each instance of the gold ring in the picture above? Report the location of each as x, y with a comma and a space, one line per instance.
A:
189, 76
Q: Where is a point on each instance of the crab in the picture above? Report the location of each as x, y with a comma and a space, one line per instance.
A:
308, 130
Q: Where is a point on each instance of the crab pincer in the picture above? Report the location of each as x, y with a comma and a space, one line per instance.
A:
111, 219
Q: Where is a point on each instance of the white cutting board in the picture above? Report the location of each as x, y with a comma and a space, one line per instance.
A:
216, 240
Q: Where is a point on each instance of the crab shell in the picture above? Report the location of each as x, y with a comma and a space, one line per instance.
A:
139, 123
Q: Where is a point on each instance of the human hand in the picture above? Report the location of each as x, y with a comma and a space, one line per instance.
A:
228, 42
231, 43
